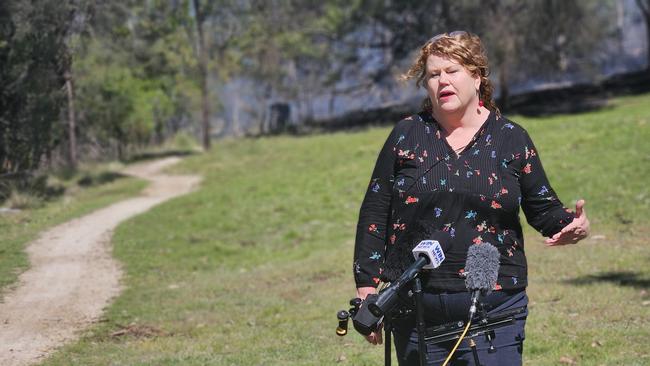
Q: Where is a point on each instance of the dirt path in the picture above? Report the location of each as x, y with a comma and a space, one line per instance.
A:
73, 277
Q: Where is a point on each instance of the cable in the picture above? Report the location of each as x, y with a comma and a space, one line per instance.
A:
457, 344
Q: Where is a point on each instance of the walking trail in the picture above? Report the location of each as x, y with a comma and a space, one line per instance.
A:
73, 276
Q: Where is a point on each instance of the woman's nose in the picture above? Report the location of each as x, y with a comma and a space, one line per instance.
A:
444, 78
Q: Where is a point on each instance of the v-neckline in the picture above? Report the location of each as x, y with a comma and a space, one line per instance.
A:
471, 142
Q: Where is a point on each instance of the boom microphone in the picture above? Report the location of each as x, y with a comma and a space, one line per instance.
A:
428, 254
482, 270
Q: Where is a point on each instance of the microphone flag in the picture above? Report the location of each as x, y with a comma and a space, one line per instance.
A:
432, 250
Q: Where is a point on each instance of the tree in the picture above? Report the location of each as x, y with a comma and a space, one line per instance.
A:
32, 55
538, 39
77, 26
292, 49
203, 71
131, 74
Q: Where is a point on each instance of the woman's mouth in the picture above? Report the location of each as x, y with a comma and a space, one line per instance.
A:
445, 95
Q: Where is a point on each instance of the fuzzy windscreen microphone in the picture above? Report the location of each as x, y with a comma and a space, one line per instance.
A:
482, 267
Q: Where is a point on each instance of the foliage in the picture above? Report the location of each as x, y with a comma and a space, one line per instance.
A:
541, 39
292, 49
118, 106
124, 72
252, 268
139, 73
183, 141
23, 200
31, 77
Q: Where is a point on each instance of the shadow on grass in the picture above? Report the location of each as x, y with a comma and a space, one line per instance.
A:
158, 155
90, 180
29, 184
622, 278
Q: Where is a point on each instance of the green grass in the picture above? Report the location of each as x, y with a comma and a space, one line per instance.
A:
21, 227
251, 269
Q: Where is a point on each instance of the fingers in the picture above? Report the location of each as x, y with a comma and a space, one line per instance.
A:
550, 241
569, 237
580, 212
562, 237
375, 337
567, 229
378, 334
575, 231
560, 241
571, 234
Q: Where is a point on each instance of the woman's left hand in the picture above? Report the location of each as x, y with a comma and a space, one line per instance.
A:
577, 230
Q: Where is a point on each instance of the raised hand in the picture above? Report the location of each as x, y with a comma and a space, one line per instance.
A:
577, 230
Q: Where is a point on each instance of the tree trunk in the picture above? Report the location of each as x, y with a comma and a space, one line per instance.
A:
203, 75
72, 138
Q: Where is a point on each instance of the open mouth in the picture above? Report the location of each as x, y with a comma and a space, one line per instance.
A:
445, 94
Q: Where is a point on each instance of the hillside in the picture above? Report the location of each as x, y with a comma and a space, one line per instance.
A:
251, 268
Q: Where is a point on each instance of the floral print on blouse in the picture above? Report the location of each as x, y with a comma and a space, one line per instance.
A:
421, 189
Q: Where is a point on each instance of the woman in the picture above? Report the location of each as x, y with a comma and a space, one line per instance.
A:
457, 172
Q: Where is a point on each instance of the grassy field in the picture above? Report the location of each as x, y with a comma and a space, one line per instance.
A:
99, 187
251, 269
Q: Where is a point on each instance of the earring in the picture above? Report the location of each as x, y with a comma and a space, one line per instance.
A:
480, 103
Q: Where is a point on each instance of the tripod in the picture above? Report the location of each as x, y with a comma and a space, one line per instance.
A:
420, 324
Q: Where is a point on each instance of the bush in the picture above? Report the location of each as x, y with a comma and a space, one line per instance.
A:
29, 191
24, 200
183, 141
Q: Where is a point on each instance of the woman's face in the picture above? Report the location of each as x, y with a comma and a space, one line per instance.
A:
450, 85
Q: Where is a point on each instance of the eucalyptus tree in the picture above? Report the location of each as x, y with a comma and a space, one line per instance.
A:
32, 55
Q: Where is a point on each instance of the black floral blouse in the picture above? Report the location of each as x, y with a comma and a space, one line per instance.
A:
420, 189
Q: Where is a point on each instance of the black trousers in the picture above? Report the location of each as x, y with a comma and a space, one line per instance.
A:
443, 308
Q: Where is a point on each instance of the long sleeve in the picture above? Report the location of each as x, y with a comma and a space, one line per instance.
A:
543, 209
374, 215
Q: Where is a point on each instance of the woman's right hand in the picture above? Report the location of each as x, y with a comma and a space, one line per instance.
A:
374, 337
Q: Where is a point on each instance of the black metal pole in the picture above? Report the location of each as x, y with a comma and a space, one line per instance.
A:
419, 316
472, 345
387, 340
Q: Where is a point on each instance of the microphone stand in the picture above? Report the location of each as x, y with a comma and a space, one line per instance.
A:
388, 327
472, 310
387, 300
419, 316
421, 326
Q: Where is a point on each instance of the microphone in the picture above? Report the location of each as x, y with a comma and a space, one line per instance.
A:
432, 250
482, 270
428, 254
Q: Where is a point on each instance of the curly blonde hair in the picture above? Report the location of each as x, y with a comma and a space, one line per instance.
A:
466, 49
